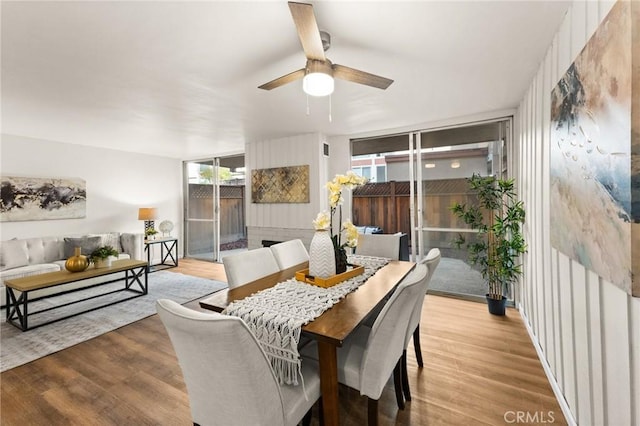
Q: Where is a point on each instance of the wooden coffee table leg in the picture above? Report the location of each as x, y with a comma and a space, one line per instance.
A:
329, 382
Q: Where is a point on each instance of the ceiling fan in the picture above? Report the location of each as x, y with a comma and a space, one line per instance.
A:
318, 74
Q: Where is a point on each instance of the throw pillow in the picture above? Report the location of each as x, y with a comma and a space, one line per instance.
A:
1, 259
86, 244
14, 254
109, 239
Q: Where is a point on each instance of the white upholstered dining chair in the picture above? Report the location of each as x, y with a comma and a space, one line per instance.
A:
228, 376
248, 266
372, 354
290, 253
380, 245
431, 261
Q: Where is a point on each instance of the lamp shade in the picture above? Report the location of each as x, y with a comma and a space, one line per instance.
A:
147, 213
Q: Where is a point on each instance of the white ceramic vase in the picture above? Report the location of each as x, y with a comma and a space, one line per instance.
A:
322, 259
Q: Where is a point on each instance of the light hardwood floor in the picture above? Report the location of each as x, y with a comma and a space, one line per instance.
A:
479, 370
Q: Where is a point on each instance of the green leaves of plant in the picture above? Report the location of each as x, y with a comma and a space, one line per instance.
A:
500, 242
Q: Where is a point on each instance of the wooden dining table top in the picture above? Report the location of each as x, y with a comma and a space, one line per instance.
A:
336, 323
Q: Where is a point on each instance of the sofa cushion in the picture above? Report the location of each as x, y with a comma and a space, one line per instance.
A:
53, 250
14, 254
2, 261
27, 271
133, 244
86, 244
44, 250
109, 239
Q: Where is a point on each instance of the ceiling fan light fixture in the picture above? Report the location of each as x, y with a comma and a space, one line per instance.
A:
318, 79
317, 84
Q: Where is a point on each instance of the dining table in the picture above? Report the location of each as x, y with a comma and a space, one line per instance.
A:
332, 327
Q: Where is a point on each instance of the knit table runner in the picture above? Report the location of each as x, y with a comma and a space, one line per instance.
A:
276, 315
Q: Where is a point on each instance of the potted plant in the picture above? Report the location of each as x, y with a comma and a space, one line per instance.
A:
101, 257
499, 242
150, 233
349, 180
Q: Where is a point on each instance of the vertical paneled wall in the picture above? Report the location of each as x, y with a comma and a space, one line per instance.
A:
587, 329
286, 221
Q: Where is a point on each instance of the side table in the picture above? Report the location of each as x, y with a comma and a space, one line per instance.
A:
168, 253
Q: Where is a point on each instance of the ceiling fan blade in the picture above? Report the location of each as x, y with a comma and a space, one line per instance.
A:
361, 77
308, 31
281, 81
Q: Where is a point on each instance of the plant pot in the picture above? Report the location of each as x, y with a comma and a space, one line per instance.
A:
341, 260
102, 263
496, 307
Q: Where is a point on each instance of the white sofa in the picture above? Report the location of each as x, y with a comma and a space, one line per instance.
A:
32, 256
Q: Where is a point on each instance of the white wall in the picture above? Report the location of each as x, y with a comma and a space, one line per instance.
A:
587, 329
281, 221
339, 163
118, 183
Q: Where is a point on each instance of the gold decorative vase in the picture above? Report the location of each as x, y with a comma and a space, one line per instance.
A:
77, 262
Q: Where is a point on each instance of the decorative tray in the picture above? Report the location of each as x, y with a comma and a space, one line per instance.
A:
329, 281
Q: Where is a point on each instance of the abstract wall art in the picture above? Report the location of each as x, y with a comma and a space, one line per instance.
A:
280, 185
31, 198
593, 187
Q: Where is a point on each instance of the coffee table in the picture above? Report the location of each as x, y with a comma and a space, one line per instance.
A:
18, 289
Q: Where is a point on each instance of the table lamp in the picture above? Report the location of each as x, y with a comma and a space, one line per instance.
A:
148, 214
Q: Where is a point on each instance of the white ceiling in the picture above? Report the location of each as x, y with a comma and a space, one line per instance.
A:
180, 79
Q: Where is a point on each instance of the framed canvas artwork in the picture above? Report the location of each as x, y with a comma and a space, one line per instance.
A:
32, 198
594, 155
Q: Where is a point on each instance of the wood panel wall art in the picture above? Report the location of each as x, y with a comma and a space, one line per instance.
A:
280, 185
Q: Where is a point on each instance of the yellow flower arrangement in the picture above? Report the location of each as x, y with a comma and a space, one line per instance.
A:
351, 233
339, 182
324, 219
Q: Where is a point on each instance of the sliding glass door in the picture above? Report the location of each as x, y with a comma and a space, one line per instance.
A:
200, 212
214, 207
442, 165
231, 205
418, 177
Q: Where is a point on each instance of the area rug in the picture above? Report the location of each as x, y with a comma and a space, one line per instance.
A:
19, 347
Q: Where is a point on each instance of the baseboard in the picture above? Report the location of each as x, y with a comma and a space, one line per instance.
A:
568, 415
468, 297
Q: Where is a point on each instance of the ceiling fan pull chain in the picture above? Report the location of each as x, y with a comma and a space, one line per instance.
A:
329, 108
307, 104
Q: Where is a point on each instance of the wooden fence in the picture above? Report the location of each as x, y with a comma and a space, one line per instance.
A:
387, 205
384, 204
